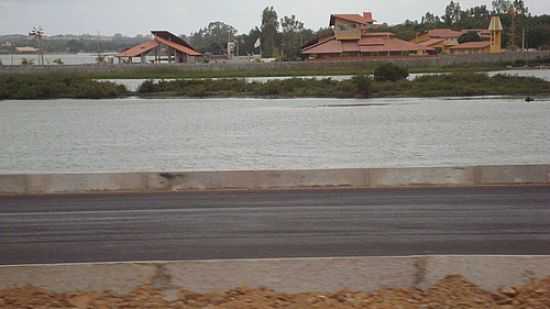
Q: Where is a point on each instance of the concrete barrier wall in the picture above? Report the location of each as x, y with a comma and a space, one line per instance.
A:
266, 180
282, 275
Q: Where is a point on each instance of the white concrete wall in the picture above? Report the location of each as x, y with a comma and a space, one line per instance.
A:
283, 275
265, 180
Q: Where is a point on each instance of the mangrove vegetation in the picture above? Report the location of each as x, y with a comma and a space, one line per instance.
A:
456, 84
55, 86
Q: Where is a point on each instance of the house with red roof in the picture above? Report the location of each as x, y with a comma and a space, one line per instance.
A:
165, 47
445, 41
353, 37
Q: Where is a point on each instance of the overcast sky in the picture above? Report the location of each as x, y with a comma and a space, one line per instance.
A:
131, 17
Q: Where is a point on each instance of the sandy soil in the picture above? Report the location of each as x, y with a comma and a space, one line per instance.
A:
452, 292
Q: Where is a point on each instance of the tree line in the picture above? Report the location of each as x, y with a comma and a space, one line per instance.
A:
277, 37
518, 23
284, 37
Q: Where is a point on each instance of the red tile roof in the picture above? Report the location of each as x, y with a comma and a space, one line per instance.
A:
370, 43
444, 34
161, 38
391, 44
386, 34
183, 49
331, 46
431, 42
473, 45
354, 18
140, 49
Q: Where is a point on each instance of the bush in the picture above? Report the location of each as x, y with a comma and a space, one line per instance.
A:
470, 36
58, 61
390, 72
362, 85
26, 61
520, 63
51, 86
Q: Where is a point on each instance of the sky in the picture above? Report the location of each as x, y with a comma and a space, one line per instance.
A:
131, 17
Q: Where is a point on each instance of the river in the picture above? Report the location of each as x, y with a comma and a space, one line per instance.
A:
234, 134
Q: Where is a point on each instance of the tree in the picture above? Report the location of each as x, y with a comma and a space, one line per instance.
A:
475, 18
501, 6
270, 29
213, 38
292, 37
452, 14
470, 36
431, 20
538, 28
246, 41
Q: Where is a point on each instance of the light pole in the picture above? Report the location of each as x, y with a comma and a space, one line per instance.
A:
38, 33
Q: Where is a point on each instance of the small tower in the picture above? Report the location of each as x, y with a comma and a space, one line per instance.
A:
495, 27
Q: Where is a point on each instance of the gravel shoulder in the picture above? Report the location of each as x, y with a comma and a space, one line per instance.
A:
451, 292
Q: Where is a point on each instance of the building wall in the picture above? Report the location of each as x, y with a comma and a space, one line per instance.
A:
470, 51
345, 30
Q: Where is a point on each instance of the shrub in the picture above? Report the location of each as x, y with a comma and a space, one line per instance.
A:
362, 85
148, 86
26, 61
50, 86
520, 63
58, 61
470, 36
390, 72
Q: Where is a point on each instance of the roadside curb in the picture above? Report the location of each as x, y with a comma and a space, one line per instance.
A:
282, 275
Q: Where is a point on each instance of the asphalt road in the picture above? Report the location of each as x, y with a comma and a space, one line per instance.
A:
220, 225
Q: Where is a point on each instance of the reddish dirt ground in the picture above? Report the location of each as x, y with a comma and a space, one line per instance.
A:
452, 292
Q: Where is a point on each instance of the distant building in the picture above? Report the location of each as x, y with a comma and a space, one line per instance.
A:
164, 47
495, 29
353, 38
26, 50
445, 41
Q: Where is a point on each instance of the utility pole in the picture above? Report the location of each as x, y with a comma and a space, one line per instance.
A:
38, 33
526, 46
99, 58
513, 14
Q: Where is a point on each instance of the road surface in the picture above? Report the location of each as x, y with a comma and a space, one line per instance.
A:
221, 225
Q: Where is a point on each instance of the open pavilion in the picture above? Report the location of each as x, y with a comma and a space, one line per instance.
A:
165, 47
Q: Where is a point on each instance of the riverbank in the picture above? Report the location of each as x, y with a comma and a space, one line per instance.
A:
56, 86
456, 84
